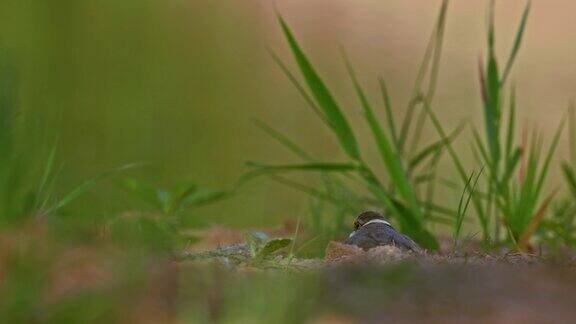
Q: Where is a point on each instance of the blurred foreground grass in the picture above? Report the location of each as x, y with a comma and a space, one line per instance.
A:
70, 280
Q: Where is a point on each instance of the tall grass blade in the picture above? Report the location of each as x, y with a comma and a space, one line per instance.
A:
313, 192
511, 125
388, 108
511, 165
570, 177
572, 132
517, 43
298, 87
392, 161
491, 90
321, 167
522, 244
463, 206
87, 185
323, 97
480, 146
417, 95
434, 148
46, 175
549, 155
203, 197
480, 212
434, 72
282, 139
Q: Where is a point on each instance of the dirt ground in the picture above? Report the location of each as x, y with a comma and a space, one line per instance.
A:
386, 285
101, 283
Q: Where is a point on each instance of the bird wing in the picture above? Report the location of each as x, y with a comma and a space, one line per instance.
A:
363, 239
375, 235
390, 236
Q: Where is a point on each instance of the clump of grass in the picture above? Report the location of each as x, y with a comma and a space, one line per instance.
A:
508, 202
171, 202
463, 205
406, 169
168, 207
28, 162
505, 202
559, 229
30, 173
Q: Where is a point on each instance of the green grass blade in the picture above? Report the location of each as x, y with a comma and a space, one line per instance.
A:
87, 185
313, 192
491, 109
533, 224
388, 108
448, 213
511, 124
480, 146
549, 155
490, 34
407, 211
283, 139
423, 70
299, 87
392, 161
46, 175
143, 191
572, 132
204, 197
430, 191
490, 88
463, 207
570, 178
511, 165
434, 72
323, 97
517, 43
449, 147
480, 212
434, 148
180, 195
435, 68
323, 167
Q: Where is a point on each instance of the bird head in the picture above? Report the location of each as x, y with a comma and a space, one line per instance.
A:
365, 217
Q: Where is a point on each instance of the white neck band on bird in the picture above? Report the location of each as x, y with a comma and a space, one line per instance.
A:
381, 221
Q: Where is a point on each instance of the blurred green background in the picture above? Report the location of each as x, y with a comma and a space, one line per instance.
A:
178, 83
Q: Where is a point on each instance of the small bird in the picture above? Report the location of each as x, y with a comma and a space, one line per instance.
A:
371, 230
